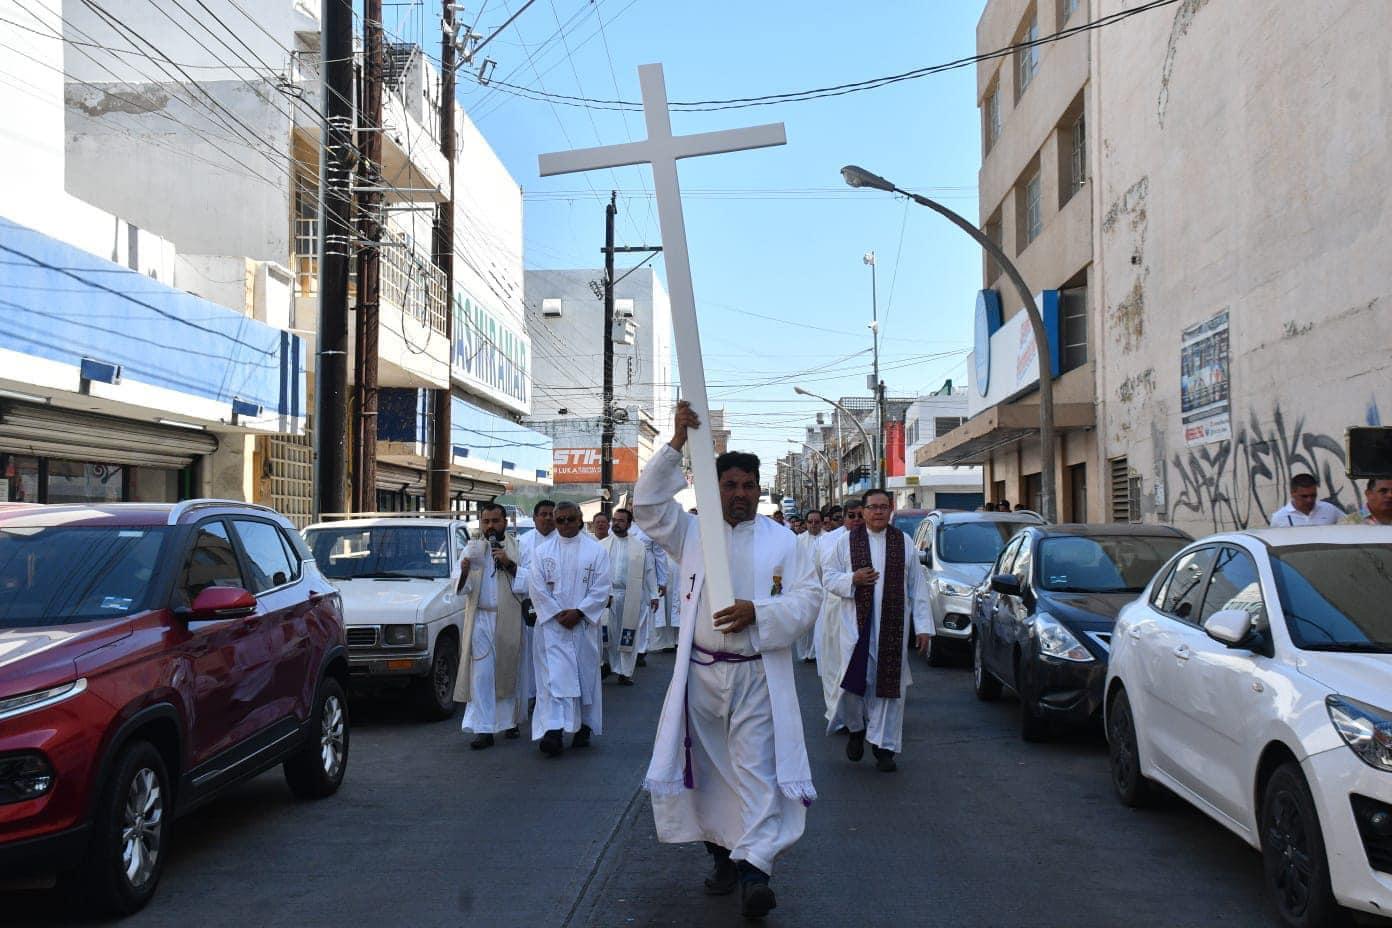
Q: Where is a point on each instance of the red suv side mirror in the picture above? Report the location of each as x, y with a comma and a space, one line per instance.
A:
220, 602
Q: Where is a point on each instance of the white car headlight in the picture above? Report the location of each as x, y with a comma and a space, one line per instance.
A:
1367, 731
1057, 641
949, 588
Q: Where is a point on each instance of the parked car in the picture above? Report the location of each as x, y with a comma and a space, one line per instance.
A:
957, 548
908, 520
1042, 621
399, 578
1254, 680
151, 656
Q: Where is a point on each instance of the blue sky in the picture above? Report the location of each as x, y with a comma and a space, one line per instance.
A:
784, 238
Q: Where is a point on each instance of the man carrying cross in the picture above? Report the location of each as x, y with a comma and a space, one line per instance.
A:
729, 766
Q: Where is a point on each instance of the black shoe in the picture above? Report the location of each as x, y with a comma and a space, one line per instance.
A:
581, 738
884, 761
551, 744
512, 733
605, 670
625, 681
481, 741
724, 876
855, 746
809, 660
642, 660
756, 897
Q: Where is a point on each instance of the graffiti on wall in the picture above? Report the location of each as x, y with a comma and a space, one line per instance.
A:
1239, 482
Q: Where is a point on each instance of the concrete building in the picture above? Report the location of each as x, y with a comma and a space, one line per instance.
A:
1036, 202
1242, 222
115, 382
941, 486
224, 158
565, 318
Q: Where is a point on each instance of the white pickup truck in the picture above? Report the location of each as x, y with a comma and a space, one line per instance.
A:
399, 578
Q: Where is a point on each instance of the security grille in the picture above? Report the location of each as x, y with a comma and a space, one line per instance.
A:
292, 477
1125, 492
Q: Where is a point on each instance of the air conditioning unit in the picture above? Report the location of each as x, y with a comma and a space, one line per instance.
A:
622, 331
623, 309
551, 308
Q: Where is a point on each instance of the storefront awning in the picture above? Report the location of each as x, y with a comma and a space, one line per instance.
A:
999, 427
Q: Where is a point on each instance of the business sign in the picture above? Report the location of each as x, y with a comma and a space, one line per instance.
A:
490, 354
988, 320
582, 465
1204, 406
1012, 358
894, 449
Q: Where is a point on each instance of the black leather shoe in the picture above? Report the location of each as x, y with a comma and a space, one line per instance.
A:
481, 741
756, 899
723, 877
581, 739
855, 746
642, 660
512, 733
884, 761
625, 681
605, 670
551, 744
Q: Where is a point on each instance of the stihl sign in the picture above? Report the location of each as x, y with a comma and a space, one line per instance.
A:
582, 465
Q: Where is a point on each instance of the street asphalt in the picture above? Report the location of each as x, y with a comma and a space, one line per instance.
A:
977, 828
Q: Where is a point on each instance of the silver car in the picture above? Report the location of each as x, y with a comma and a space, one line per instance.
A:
957, 548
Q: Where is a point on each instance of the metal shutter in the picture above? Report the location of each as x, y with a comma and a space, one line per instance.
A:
52, 431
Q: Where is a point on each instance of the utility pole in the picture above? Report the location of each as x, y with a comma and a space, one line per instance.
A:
369, 260
441, 441
606, 438
877, 461
335, 244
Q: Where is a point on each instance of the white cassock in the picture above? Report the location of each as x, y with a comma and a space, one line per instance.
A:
658, 559
828, 635
807, 644
632, 574
527, 679
745, 783
567, 573
882, 719
487, 712
664, 618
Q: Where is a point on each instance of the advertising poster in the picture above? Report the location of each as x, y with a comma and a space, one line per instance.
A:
1203, 381
582, 465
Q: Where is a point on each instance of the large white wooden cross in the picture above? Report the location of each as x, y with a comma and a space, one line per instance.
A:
662, 149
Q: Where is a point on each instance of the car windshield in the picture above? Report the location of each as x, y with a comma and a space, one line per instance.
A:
908, 524
1335, 596
59, 575
973, 542
383, 552
1108, 564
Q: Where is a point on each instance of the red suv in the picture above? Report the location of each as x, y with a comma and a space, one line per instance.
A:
152, 656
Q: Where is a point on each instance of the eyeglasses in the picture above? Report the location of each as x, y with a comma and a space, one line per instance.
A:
878, 507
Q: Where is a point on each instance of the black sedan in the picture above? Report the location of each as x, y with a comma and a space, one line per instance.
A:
1042, 620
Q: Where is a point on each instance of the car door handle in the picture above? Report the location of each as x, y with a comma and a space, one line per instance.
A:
1182, 652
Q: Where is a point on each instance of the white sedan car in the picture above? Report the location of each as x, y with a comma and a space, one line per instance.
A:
1253, 678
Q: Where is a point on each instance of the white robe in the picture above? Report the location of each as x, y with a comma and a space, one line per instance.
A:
486, 713
651, 635
643, 586
527, 678
750, 780
882, 720
567, 573
827, 634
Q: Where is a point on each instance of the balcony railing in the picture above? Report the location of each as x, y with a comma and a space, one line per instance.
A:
412, 282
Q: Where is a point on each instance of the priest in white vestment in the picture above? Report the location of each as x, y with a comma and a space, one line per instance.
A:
544, 524
729, 765
664, 617
877, 585
648, 638
569, 583
491, 659
812, 521
829, 656
633, 588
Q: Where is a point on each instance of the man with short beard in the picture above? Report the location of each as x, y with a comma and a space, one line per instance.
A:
569, 582
633, 590
491, 658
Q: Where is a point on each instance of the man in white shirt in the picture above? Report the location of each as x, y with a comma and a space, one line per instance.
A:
1305, 506
544, 520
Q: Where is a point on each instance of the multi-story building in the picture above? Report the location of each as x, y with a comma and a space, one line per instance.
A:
221, 153
1242, 221
119, 380
1037, 204
942, 486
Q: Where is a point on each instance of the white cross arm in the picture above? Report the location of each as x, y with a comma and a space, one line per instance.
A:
659, 149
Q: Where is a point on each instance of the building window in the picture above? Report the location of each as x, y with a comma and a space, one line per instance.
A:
1066, 10
1073, 312
992, 115
944, 424
1027, 59
993, 232
1079, 133
1029, 214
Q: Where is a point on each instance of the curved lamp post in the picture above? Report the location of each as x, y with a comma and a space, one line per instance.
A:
825, 460
859, 177
874, 452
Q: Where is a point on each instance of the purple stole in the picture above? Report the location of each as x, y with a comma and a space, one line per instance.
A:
889, 660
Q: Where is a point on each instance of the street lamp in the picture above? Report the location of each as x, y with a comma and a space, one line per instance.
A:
859, 177
874, 452
825, 460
